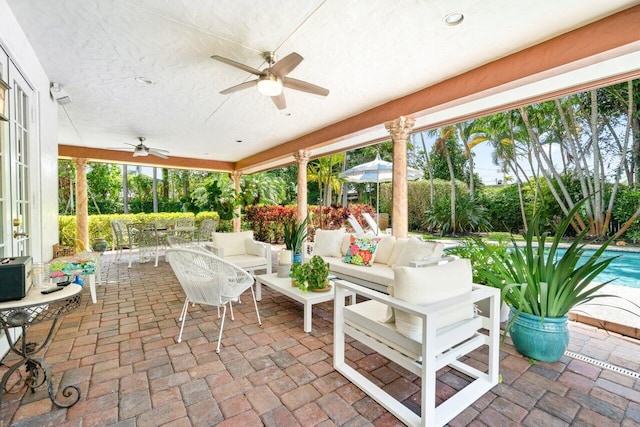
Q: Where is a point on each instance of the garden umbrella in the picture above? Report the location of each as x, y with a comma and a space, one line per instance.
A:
377, 171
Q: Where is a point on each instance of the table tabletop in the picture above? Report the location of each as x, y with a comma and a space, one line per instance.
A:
34, 297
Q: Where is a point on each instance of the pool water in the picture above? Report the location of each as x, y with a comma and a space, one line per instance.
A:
625, 270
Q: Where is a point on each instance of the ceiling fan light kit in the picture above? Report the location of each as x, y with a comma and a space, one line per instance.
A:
270, 85
141, 150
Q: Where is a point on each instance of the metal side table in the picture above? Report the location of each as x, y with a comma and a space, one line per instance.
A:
32, 309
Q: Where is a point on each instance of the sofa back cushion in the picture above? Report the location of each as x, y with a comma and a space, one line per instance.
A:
232, 243
362, 250
328, 242
428, 285
415, 250
385, 249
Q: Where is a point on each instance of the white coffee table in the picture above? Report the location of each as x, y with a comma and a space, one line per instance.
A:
283, 285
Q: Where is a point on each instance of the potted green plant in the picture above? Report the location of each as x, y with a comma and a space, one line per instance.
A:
541, 286
294, 236
317, 275
298, 275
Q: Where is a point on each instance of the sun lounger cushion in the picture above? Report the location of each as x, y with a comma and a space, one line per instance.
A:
428, 285
329, 242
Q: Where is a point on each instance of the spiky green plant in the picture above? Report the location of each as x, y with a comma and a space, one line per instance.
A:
535, 279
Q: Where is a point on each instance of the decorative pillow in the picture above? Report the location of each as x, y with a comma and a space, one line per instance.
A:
255, 248
428, 285
362, 250
397, 249
327, 242
416, 249
385, 249
344, 244
232, 243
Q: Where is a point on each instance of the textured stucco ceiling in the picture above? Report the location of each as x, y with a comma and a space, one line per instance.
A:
365, 52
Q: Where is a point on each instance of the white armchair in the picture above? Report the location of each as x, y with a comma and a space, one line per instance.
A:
433, 325
242, 250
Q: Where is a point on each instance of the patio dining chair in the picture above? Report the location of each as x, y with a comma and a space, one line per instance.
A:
144, 237
120, 235
207, 279
185, 226
206, 227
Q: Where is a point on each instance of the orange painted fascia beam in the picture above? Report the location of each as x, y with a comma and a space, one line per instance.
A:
126, 157
569, 50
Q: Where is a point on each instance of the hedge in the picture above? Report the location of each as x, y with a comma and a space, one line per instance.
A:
100, 225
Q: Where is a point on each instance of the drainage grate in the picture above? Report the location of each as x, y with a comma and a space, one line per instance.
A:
604, 365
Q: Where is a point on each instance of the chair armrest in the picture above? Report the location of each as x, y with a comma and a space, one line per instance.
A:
256, 248
432, 261
478, 293
217, 251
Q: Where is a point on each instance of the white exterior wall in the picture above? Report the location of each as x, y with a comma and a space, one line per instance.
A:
43, 149
44, 142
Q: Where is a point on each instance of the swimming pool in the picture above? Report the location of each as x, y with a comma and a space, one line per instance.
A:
625, 269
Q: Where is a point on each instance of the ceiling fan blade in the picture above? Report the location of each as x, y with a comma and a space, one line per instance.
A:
237, 65
158, 154
133, 145
279, 101
118, 148
304, 86
241, 86
160, 150
286, 64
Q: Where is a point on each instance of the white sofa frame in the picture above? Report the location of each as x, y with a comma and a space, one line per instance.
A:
445, 347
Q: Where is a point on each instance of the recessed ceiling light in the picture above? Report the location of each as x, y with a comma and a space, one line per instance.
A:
453, 19
144, 80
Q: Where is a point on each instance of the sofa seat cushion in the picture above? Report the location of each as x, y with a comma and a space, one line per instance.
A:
232, 243
378, 273
246, 261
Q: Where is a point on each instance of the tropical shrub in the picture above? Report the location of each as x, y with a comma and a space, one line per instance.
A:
503, 207
480, 255
470, 215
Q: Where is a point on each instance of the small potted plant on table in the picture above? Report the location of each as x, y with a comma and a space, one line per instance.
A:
317, 275
294, 236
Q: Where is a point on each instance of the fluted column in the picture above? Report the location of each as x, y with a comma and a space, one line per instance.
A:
82, 210
237, 220
399, 130
302, 157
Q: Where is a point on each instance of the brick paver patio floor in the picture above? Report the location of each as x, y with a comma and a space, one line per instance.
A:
124, 356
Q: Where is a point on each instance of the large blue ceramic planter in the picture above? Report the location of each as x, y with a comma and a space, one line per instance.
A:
544, 341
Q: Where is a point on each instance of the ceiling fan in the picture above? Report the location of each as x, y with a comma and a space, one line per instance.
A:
272, 79
141, 150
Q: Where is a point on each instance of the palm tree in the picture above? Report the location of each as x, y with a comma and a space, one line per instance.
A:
325, 172
429, 167
470, 134
446, 135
